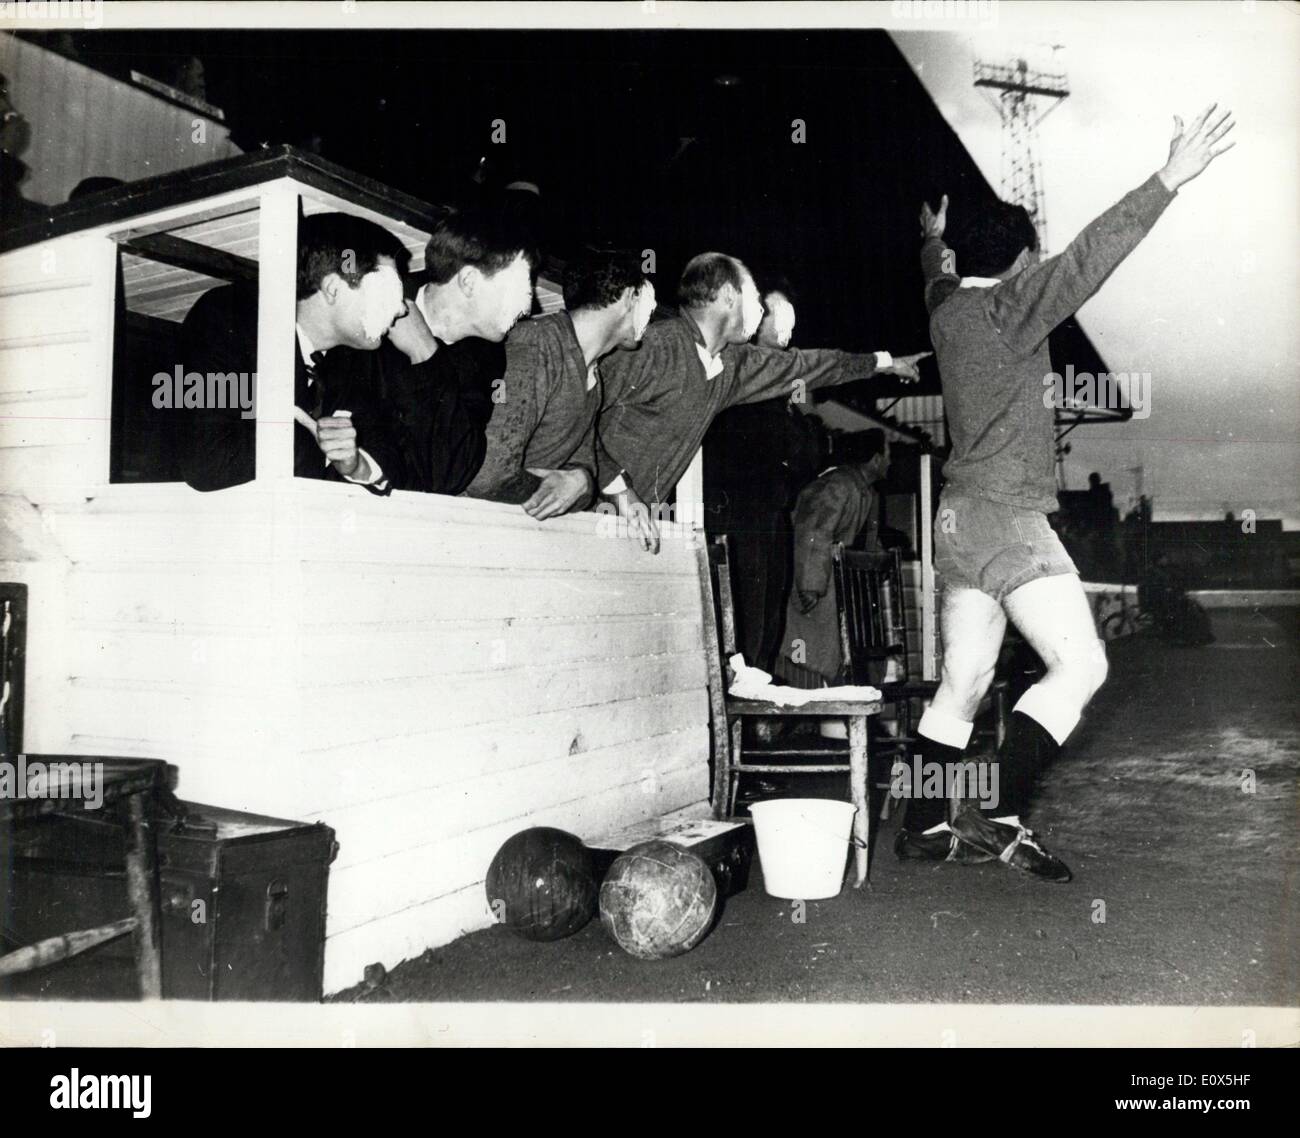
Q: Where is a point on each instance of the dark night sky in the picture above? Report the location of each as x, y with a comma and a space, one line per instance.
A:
597, 117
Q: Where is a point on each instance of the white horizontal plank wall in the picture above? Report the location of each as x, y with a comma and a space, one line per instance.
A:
56, 311
148, 618
468, 673
56, 302
443, 674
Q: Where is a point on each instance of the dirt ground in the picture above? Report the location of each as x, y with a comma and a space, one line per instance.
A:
1194, 875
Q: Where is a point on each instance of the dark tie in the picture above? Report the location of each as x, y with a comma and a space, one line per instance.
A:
314, 385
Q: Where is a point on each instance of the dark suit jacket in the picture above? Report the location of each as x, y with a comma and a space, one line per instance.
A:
217, 445
441, 409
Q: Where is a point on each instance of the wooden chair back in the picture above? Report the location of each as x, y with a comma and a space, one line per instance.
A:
872, 613
720, 571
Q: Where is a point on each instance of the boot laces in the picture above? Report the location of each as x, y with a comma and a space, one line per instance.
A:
1024, 837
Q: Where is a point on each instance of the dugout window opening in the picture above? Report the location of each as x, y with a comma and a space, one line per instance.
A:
161, 398
203, 368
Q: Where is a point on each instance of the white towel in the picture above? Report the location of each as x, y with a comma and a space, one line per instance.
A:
754, 683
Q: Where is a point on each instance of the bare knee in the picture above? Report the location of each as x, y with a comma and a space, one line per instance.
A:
962, 689
1084, 667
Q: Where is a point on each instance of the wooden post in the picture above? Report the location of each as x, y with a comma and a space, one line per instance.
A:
737, 754
142, 889
929, 661
279, 733
56, 948
690, 493
277, 253
102, 262
859, 764
715, 672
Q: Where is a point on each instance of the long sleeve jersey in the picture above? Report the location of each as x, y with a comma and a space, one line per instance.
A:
659, 398
545, 414
990, 339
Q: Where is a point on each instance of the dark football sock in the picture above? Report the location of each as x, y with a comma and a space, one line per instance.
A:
1025, 753
924, 812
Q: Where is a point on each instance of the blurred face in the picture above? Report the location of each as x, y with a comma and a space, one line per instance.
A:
13, 127
778, 322
363, 314
878, 466
500, 301
751, 308
643, 306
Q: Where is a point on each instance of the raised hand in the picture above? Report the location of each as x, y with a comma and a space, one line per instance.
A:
1191, 152
933, 224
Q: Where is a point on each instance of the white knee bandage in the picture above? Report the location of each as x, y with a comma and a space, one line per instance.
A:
945, 728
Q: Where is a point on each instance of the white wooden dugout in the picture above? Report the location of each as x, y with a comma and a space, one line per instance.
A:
425, 674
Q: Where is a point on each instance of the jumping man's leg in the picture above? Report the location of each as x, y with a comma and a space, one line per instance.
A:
972, 625
1053, 614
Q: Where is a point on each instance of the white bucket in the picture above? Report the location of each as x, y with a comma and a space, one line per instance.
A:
802, 845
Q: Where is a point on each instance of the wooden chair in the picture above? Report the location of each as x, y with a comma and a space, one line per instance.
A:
873, 632
729, 713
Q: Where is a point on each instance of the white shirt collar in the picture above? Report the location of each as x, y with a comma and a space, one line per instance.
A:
979, 282
712, 364
305, 346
